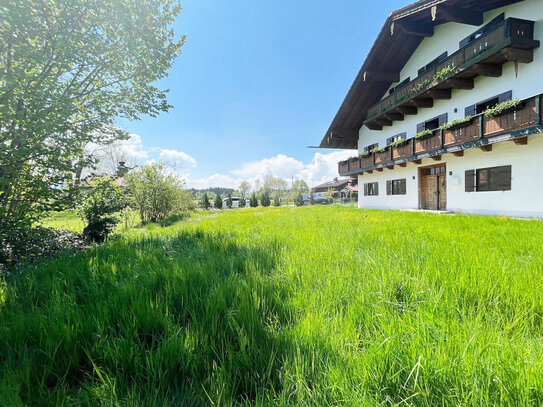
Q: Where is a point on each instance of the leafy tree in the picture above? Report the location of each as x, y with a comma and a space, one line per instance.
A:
299, 200
253, 200
244, 189
229, 202
104, 199
265, 199
69, 69
242, 202
157, 193
218, 202
276, 201
299, 187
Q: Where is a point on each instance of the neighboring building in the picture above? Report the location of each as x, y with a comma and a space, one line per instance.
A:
333, 187
416, 110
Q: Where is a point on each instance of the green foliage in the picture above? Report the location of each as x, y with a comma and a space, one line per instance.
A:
424, 134
380, 149
312, 199
205, 201
311, 306
244, 189
504, 107
69, 69
398, 143
156, 192
229, 202
265, 199
421, 86
299, 200
365, 154
242, 202
444, 73
253, 200
276, 201
457, 123
97, 208
218, 202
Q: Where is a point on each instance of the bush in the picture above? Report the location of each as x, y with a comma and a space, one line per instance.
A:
242, 202
265, 199
156, 192
229, 201
218, 202
97, 209
299, 200
253, 201
276, 201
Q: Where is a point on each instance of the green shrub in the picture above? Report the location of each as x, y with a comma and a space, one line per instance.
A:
97, 208
218, 202
380, 149
456, 123
265, 199
299, 200
253, 200
156, 192
365, 154
205, 201
276, 201
229, 202
242, 202
398, 143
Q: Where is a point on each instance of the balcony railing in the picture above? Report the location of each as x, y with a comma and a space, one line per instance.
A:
482, 56
481, 131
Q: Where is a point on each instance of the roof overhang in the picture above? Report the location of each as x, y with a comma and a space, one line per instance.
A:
399, 38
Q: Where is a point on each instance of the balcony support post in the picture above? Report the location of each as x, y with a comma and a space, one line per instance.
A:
538, 110
481, 126
441, 138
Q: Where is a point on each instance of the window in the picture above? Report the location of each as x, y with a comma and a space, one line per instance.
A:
396, 187
371, 189
370, 148
480, 107
434, 170
489, 179
401, 136
433, 63
399, 86
432, 124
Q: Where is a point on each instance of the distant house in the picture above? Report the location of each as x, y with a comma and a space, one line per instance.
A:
446, 110
335, 187
350, 192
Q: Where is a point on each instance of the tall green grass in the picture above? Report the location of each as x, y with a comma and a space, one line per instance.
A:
283, 306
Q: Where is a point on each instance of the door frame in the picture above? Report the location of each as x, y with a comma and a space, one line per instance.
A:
421, 199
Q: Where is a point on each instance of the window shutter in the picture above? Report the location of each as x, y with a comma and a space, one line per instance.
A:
471, 110
420, 127
443, 119
365, 189
505, 96
402, 187
470, 180
501, 178
389, 187
376, 188
389, 140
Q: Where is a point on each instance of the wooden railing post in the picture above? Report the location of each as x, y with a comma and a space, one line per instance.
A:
538, 110
441, 138
481, 126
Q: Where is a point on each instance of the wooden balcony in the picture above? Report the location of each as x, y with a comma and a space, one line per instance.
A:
515, 125
512, 40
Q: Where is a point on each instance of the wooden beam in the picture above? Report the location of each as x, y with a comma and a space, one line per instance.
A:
521, 141
382, 76
374, 126
417, 161
423, 102
459, 153
344, 134
379, 170
390, 167
486, 147
394, 116
456, 83
383, 121
460, 15
436, 157
417, 30
441, 94
491, 70
370, 172
520, 55
403, 165
407, 110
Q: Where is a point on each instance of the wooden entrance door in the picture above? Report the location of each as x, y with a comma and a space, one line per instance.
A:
433, 188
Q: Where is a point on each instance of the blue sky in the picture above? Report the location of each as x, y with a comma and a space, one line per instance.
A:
258, 82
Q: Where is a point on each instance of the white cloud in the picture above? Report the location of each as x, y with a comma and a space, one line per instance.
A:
177, 159
132, 148
278, 166
323, 167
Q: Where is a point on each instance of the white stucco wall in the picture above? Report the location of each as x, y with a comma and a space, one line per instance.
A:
526, 195
446, 38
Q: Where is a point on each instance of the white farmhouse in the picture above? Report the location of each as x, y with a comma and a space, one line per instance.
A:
446, 110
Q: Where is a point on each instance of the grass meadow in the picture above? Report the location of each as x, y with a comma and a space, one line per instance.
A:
323, 306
